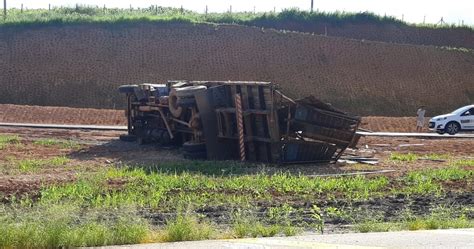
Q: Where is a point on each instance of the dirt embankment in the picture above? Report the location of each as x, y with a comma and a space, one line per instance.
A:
82, 65
394, 33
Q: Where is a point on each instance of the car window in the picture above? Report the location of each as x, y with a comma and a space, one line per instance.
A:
460, 111
469, 112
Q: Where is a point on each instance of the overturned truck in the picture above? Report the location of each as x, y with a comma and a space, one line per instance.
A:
227, 120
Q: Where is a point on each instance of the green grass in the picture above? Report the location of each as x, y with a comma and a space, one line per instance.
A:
32, 165
95, 209
88, 14
150, 189
65, 226
429, 181
6, 140
164, 189
439, 218
403, 157
378, 226
410, 157
186, 227
215, 168
65, 144
255, 229
451, 173
464, 162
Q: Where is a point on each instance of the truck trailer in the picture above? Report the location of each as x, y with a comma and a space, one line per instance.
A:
237, 120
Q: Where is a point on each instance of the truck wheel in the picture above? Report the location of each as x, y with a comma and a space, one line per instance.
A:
127, 138
452, 128
194, 147
127, 88
199, 155
175, 109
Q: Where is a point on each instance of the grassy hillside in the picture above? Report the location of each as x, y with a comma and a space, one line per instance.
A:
364, 25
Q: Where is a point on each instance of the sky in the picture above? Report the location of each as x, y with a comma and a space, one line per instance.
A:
414, 11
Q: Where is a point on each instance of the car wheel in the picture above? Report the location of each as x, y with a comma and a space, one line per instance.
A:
452, 128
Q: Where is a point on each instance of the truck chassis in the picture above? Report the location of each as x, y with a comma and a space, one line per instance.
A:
237, 120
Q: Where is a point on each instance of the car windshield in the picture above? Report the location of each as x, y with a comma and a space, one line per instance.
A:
460, 110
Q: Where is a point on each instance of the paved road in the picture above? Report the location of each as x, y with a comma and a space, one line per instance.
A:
433, 239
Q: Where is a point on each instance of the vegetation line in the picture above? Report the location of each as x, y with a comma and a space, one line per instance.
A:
87, 14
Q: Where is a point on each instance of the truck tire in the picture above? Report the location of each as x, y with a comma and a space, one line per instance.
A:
189, 91
127, 88
127, 138
194, 147
175, 109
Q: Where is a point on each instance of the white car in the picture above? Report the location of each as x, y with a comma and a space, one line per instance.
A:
461, 119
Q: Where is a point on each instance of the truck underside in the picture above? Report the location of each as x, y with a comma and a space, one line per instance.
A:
237, 120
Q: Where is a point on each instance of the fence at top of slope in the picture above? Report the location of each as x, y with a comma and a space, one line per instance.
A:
364, 25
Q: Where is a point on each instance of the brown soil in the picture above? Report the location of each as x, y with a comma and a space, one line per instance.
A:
88, 116
82, 65
449, 37
60, 115
391, 124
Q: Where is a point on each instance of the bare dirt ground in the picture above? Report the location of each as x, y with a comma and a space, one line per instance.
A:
391, 124
88, 116
60, 115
